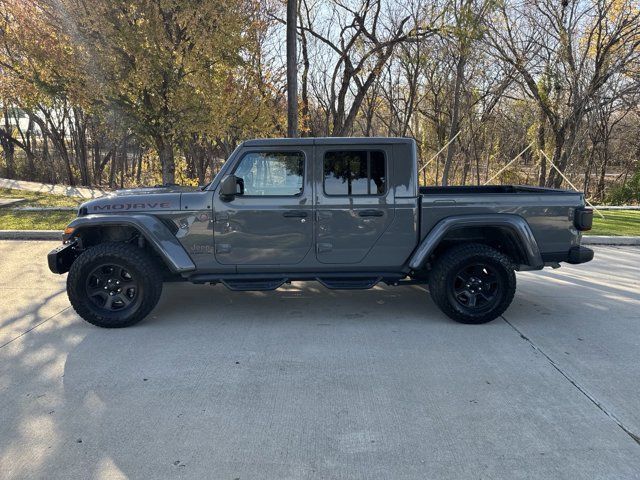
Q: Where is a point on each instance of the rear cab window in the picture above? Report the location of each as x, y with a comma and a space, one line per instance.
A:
354, 173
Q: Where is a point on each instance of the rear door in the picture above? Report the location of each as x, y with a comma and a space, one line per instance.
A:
354, 201
271, 223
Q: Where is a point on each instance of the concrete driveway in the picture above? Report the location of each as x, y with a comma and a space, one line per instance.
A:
310, 383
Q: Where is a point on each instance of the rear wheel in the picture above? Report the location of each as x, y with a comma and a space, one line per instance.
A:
473, 283
113, 285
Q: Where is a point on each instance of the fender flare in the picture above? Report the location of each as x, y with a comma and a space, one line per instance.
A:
151, 228
514, 223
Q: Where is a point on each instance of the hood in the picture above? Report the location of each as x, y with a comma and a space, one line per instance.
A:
152, 190
148, 199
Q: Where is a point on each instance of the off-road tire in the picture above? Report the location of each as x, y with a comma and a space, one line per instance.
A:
444, 275
135, 260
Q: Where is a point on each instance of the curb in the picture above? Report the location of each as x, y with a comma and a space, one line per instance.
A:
609, 240
617, 207
31, 235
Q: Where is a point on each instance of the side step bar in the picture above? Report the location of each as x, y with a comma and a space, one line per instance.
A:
349, 283
263, 282
253, 285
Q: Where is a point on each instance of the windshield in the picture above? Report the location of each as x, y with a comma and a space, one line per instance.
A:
222, 169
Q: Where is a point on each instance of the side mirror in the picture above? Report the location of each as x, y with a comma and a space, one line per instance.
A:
230, 187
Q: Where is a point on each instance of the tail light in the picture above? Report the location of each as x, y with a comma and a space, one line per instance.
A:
583, 218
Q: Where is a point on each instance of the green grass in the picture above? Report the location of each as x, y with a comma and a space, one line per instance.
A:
39, 199
616, 222
52, 220
47, 220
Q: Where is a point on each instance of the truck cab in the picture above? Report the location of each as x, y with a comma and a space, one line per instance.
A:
316, 205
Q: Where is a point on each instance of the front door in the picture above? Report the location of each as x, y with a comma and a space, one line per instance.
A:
271, 223
354, 203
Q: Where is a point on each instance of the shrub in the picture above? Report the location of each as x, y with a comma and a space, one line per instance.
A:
626, 194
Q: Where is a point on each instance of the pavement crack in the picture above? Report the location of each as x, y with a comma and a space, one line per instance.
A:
635, 437
34, 327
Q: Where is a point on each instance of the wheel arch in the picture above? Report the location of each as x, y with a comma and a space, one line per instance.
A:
507, 233
95, 229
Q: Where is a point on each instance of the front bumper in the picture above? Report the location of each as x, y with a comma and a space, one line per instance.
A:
61, 258
580, 254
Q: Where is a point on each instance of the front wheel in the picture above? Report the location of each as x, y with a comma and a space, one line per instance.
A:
472, 283
113, 285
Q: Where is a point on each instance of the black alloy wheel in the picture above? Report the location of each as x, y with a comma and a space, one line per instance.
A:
112, 288
476, 287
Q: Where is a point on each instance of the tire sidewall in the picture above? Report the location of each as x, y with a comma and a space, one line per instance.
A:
451, 262
503, 281
128, 257
126, 313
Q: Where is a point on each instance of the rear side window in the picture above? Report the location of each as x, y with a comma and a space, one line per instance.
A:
272, 174
355, 172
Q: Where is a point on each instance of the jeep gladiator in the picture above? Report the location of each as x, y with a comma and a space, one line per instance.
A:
346, 212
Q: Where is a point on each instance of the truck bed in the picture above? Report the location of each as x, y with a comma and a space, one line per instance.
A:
548, 211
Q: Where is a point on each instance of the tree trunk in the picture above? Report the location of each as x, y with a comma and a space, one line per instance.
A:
292, 69
304, 87
541, 144
139, 173
8, 147
97, 171
29, 142
603, 171
46, 156
554, 180
587, 173
79, 131
167, 160
455, 119
112, 170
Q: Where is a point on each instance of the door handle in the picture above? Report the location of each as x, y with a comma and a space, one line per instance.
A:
324, 247
370, 213
295, 214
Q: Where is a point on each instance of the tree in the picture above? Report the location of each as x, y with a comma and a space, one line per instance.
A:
162, 64
357, 39
581, 44
466, 29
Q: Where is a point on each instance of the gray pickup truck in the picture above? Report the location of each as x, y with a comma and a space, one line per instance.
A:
346, 212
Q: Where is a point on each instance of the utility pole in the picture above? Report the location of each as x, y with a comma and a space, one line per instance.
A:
292, 69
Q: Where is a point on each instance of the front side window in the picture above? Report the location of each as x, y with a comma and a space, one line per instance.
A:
354, 172
272, 174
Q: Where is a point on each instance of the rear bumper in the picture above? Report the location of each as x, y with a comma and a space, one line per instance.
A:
580, 254
575, 255
61, 258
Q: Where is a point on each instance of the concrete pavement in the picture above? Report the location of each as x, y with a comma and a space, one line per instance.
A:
60, 189
7, 202
309, 383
